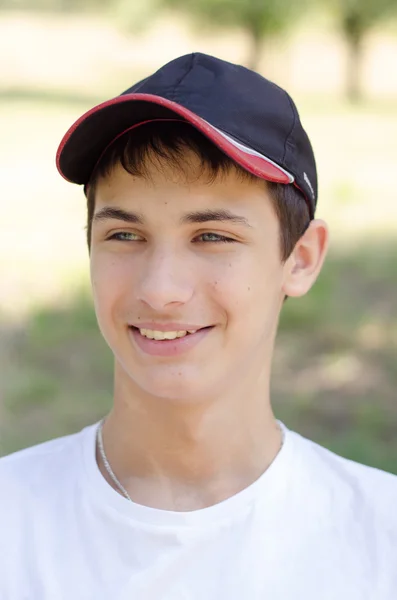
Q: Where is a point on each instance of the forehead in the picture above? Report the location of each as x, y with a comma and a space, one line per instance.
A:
163, 187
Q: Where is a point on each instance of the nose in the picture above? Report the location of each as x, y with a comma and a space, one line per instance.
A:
165, 279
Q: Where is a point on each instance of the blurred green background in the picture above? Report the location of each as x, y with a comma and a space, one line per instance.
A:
335, 369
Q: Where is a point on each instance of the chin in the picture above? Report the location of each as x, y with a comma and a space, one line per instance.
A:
177, 384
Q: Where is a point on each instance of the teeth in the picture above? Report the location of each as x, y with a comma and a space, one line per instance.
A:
163, 335
181, 333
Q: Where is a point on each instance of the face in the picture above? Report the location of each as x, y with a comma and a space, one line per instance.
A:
194, 259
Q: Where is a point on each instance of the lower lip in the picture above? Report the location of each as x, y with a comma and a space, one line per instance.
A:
169, 347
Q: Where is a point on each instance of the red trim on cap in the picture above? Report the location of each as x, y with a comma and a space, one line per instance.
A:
254, 164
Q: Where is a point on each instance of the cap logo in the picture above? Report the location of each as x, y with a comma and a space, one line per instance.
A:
306, 178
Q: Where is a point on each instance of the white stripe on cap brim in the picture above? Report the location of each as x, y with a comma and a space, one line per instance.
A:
252, 152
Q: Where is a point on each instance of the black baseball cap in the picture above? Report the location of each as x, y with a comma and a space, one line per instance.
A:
249, 118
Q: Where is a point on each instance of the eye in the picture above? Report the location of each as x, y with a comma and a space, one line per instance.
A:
213, 237
125, 236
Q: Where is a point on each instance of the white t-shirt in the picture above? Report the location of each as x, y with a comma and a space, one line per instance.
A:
314, 526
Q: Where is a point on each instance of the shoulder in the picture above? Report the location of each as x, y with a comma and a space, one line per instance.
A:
40, 454
38, 485
28, 472
359, 488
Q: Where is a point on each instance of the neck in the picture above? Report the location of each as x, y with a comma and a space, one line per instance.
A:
188, 457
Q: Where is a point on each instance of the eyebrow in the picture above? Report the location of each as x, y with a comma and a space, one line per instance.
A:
203, 216
214, 215
109, 212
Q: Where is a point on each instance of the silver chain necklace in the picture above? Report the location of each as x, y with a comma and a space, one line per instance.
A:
105, 461
109, 469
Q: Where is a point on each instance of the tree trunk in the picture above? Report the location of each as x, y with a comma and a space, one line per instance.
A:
354, 33
254, 54
354, 67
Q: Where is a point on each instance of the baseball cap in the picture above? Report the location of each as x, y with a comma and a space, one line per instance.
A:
248, 117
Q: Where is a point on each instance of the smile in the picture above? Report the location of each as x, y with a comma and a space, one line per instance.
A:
153, 334
168, 343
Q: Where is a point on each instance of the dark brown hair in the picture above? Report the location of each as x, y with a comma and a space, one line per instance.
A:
169, 141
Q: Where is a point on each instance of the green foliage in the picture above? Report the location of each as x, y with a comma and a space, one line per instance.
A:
259, 18
356, 17
255, 15
135, 16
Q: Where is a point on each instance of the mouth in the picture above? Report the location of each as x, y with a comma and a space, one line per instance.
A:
169, 343
166, 336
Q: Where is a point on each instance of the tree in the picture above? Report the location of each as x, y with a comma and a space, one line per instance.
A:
356, 19
260, 18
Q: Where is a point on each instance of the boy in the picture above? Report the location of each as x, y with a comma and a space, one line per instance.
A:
201, 188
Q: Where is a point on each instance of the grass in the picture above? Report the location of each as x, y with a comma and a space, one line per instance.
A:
335, 369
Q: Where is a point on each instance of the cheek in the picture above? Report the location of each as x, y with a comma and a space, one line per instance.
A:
249, 290
111, 283
245, 278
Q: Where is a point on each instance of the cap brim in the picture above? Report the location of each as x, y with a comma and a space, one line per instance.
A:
84, 142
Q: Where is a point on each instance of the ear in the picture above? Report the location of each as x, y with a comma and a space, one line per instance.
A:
304, 264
